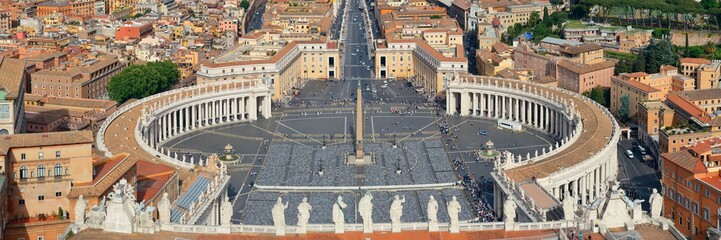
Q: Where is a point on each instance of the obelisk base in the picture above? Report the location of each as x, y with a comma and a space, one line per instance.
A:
352, 159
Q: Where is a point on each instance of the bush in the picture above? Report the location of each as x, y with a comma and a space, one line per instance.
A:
139, 81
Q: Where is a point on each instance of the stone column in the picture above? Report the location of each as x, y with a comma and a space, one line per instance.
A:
483, 104
253, 108
242, 108
475, 104
465, 103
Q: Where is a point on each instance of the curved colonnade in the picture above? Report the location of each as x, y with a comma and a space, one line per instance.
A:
159, 118
584, 157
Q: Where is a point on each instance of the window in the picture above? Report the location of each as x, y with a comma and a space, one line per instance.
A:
24, 174
706, 214
695, 187
41, 155
4, 110
58, 169
58, 194
21, 202
41, 197
695, 207
41, 238
57, 154
41, 171
706, 193
22, 156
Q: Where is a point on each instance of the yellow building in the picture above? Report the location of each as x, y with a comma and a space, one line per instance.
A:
262, 56
633, 85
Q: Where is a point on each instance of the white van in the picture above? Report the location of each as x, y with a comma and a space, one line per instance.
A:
629, 154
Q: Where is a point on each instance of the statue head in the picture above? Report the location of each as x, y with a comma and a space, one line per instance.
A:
654, 191
397, 197
280, 200
431, 198
81, 196
453, 198
305, 199
340, 198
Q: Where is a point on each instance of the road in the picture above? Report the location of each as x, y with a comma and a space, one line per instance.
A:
357, 63
637, 178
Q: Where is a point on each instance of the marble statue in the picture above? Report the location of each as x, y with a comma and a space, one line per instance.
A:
80, 207
338, 215
454, 209
164, 209
304, 209
509, 210
432, 211
121, 210
396, 212
278, 213
226, 211
569, 206
97, 215
656, 202
365, 209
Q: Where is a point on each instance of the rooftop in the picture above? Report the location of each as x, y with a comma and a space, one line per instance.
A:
12, 75
44, 139
702, 94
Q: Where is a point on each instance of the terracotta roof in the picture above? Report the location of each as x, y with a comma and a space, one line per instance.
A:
585, 68
702, 94
151, 179
668, 67
636, 74
500, 47
582, 48
40, 118
44, 139
80, 102
686, 160
687, 106
11, 77
74, 113
704, 146
462, 4
107, 173
695, 60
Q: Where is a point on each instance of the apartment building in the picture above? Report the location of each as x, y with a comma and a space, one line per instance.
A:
580, 78
84, 76
71, 8
691, 123
133, 31
6, 23
691, 183
707, 99
640, 87
652, 116
704, 71
12, 92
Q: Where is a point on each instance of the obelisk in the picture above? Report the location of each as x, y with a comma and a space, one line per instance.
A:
359, 125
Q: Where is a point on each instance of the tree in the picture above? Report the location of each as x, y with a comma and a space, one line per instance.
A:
657, 54
709, 4
534, 19
61, 214
556, 3
139, 81
624, 110
709, 47
244, 4
545, 15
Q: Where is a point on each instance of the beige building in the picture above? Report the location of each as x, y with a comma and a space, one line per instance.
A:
42, 168
642, 86
12, 92
580, 78
705, 72
264, 56
82, 77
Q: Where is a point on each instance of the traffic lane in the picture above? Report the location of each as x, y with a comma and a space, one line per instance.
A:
637, 178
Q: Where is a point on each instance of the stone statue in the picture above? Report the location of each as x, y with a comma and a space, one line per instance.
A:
164, 209
278, 213
338, 215
454, 209
304, 209
432, 209
656, 202
396, 213
365, 209
509, 210
80, 207
226, 211
569, 206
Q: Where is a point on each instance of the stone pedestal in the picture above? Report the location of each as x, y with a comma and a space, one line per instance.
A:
339, 228
395, 227
368, 228
433, 227
454, 228
302, 229
280, 231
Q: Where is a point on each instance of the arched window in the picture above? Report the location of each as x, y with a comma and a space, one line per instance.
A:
58, 169
23, 172
41, 171
67, 171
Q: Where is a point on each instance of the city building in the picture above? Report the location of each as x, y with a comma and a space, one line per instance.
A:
652, 116
705, 72
12, 92
83, 76
6, 23
690, 183
50, 114
72, 8
133, 31
580, 78
640, 86
263, 55
42, 168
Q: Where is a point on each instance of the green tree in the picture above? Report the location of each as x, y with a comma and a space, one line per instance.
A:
61, 214
534, 19
139, 81
624, 110
556, 3
545, 15
640, 64
244, 4
709, 4
657, 54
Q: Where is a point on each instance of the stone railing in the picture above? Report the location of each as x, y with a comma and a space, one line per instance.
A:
350, 188
358, 227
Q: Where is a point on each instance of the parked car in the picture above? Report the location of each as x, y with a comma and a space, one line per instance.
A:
483, 132
629, 154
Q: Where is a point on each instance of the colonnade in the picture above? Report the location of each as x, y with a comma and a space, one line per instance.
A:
203, 113
588, 186
518, 108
